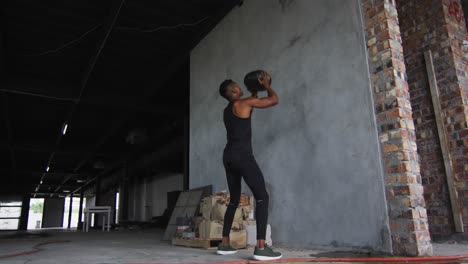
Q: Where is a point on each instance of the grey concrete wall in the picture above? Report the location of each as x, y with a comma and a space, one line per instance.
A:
106, 199
134, 200
148, 196
319, 147
160, 185
91, 201
52, 215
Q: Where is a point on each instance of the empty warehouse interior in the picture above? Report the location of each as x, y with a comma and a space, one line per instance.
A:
102, 110
114, 106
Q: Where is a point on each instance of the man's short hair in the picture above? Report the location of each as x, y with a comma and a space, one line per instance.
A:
223, 88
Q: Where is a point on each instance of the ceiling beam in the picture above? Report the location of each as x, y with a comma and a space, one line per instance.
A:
35, 87
162, 79
2, 47
6, 117
36, 15
6, 114
32, 172
114, 127
105, 32
183, 53
41, 148
113, 102
159, 12
49, 186
47, 194
150, 91
106, 29
164, 150
227, 6
61, 185
133, 106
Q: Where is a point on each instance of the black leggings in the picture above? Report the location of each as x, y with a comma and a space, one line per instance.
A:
238, 166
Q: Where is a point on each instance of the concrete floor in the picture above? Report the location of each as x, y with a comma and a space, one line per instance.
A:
135, 246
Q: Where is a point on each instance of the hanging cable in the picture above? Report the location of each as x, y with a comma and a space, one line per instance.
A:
163, 27
37, 95
118, 28
65, 45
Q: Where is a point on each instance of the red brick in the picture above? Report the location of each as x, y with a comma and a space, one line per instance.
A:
396, 126
436, 29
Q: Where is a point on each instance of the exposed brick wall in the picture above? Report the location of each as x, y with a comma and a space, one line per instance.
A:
407, 213
457, 108
435, 25
415, 25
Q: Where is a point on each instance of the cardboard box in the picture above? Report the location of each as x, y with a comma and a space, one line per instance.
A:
238, 239
220, 209
211, 229
247, 211
214, 207
206, 206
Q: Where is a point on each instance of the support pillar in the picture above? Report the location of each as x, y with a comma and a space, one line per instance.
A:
23, 225
404, 191
70, 211
80, 210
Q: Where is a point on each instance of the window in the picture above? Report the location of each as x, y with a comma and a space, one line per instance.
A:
36, 208
10, 213
75, 209
117, 201
9, 224
10, 203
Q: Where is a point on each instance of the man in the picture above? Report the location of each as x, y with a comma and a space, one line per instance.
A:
239, 162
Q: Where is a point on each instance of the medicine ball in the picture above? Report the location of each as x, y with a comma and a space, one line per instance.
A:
251, 81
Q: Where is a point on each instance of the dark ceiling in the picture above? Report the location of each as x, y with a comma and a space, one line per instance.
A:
107, 69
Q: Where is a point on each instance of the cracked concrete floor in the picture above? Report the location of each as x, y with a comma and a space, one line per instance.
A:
134, 246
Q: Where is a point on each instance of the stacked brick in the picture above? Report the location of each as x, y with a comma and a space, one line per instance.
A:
407, 213
438, 26
457, 106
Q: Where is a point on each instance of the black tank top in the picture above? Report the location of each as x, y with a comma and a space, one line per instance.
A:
239, 131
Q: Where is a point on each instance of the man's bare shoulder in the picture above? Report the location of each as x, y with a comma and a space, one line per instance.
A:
243, 105
246, 100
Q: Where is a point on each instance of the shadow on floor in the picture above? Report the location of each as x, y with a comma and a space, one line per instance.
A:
24, 235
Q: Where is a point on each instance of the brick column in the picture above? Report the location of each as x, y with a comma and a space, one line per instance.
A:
438, 26
407, 213
456, 100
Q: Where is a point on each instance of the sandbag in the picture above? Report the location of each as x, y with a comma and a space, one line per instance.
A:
220, 209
